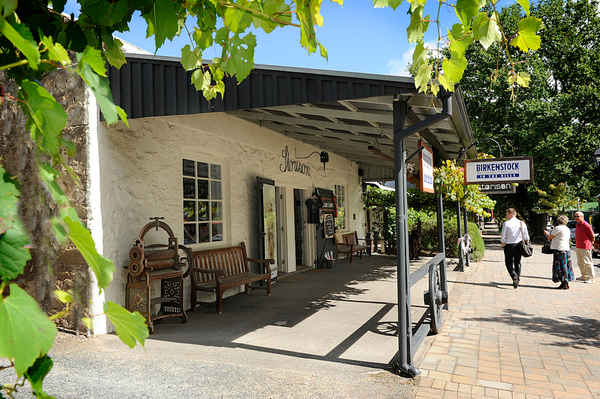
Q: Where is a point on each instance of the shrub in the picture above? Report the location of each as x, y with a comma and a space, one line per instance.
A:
430, 237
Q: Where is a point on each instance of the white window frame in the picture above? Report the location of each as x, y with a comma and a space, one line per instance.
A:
345, 203
210, 221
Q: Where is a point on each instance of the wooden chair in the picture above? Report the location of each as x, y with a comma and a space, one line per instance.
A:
350, 246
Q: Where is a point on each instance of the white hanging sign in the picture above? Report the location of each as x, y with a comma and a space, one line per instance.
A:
499, 170
426, 169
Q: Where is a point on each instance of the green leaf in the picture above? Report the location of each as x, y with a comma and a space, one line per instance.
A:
323, 51
7, 7
387, 3
190, 59
25, 331
9, 201
101, 89
414, 4
203, 39
13, 252
237, 20
453, 68
417, 27
88, 323
467, 9
486, 30
58, 5
47, 118
163, 21
36, 374
56, 52
523, 79
106, 13
63, 296
114, 53
130, 327
422, 67
525, 5
81, 237
527, 38
277, 8
241, 56
93, 58
20, 36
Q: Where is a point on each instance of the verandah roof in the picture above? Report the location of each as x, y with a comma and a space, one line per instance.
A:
346, 113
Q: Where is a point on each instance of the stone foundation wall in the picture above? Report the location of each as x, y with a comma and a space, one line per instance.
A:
52, 266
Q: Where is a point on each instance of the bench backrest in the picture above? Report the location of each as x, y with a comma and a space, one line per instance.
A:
232, 261
350, 238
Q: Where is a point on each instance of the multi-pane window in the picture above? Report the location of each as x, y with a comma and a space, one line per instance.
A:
340, 195
202, 202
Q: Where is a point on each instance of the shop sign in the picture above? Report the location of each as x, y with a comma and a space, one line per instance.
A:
292, 165
499, 188
499, 170
426, 169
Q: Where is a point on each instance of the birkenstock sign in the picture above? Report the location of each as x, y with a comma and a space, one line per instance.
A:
499, 170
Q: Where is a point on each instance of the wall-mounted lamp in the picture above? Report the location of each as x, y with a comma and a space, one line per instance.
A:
323, 155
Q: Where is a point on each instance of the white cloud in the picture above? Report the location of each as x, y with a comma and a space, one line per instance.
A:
399, 66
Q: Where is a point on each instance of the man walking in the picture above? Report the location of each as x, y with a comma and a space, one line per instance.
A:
513, 232
584, 242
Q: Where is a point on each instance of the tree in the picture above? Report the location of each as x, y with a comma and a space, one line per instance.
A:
554, 120
556, 200
36, 41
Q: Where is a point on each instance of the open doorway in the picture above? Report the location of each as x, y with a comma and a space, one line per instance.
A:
299, 225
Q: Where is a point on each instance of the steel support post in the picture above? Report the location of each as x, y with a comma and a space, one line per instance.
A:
404, 358
461, 264
467, 255
442, 245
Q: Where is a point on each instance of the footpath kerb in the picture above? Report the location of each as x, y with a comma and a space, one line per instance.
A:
501, 342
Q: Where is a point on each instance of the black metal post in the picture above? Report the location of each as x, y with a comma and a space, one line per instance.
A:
461, 265
465, 216
442, 245
404, 357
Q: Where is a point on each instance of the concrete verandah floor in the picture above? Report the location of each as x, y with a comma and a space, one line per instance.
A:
321, 334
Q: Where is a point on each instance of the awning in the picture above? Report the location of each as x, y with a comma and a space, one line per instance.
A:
347, 113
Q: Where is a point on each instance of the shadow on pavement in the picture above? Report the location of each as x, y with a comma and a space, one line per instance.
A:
577, 332
501, 286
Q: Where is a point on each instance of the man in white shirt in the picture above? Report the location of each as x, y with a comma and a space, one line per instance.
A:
513, 232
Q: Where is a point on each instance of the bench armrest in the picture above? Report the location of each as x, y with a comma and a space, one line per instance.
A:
264, 262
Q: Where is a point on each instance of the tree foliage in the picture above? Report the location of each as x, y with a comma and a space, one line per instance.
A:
556, 200
36, 39
555, 120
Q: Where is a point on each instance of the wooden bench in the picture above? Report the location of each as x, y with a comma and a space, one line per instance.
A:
216, 270
350, 246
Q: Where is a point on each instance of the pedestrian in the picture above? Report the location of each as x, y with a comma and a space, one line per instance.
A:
559, 245
584, 242
514, 232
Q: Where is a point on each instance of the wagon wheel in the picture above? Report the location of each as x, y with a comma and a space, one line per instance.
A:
435, 300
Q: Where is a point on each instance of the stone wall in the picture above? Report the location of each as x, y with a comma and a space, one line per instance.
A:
52, 266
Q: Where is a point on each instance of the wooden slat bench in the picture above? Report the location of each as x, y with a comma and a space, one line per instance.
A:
216, 270
350, 246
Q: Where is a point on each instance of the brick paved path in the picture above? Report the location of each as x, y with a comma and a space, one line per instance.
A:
532, 342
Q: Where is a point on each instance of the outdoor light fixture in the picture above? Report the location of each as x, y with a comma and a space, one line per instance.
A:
597, 157
323, 155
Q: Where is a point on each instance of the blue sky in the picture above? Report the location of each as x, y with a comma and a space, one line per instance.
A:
358, 38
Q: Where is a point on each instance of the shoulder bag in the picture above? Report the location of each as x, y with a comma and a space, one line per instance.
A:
526, 248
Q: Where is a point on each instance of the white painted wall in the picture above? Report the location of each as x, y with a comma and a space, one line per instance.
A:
140, 170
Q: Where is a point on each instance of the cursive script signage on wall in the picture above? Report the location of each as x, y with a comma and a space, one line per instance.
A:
292, 165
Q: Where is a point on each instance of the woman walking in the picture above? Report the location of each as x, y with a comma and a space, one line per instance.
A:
561, 272
514, 232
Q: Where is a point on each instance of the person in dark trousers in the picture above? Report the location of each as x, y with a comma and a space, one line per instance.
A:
514, 231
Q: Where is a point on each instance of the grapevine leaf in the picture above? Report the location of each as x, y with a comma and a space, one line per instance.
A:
163, 21
414, 4
387, 3
101, 89
58, 5
237, 20
47, 118
9, 200
122, 114
323, 51
241, 60
528, 39
453, 68
7, 7
48, 176
63, 296
93, 58
20, 36
130, 327
486, 30
114, 53
106, 13
13, 252
523, 79
81, 237
203, 39
272, 7
422, 66
36, 374
56, 52
308, 38
525, 5
460, 39
340, 2
417, 27
467, 9
25, 331
190, 59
